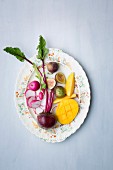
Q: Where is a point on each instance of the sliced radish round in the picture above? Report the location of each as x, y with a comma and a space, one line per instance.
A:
29, 93
35, 103
29, 100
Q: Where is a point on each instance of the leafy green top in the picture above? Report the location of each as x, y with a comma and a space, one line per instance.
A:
16, 52
43, 85
42, 50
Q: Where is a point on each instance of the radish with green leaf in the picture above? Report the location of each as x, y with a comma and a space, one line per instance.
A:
41, 84
34, 85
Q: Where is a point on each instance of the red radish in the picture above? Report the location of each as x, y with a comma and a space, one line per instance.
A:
34, 85
41, 95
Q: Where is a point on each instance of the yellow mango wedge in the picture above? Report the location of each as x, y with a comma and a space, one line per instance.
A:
70, 84
66, 111
57, 100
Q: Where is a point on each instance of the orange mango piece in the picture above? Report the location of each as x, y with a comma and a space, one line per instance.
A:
66, 111
70, 83
57, 100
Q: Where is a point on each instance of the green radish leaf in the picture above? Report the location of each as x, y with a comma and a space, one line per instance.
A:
16, 52
37, 73
43, 86
36, 70
42, 50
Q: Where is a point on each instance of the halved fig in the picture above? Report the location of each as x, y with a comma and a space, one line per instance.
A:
51, 83
60, 78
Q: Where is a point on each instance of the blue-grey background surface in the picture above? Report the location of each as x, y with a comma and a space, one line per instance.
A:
84, 29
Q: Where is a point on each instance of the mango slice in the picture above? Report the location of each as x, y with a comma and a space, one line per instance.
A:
70, 83
57, 100
66, 111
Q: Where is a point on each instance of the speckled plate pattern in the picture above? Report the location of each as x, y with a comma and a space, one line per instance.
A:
82, 89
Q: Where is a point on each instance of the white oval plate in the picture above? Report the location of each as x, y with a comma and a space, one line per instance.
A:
67, 65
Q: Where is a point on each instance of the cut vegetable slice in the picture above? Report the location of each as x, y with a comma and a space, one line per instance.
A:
29, 99
29, 93
35, 103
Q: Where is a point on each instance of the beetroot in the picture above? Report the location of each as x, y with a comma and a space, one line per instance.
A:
46, 120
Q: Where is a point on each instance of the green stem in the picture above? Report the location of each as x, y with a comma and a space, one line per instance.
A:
32, 64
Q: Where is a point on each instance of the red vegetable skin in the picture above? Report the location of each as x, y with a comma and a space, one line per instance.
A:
46, 120
51, 99
28, 100
43, 90
34, 85
46, 106
41, 95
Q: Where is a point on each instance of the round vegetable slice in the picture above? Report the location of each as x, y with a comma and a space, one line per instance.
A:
29, 99
29, 93
35, 103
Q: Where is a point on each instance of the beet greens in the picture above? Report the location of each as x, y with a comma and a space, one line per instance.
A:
42, 53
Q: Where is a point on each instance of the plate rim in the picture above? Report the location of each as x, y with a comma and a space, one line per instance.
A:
15, 100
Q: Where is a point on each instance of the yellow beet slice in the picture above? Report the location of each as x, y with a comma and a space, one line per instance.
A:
70, 83
57, 100
66, 111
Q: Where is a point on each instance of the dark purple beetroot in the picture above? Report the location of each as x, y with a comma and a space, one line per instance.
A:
46, 120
